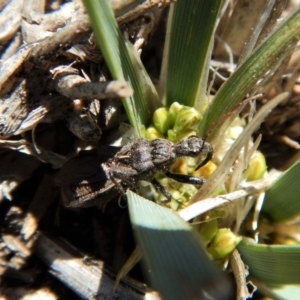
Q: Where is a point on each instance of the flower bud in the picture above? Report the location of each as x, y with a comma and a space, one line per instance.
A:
176, 137
256, 168
187, 118
224, 242
173, 112
161, 120
152, 133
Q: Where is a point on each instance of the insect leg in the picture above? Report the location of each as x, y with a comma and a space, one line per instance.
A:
186, 178
121, 176
161, 189
111, 175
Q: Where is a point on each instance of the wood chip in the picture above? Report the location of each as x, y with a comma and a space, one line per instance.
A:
87, 281
16, 245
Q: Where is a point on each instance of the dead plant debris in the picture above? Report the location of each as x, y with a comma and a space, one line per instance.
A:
57, 100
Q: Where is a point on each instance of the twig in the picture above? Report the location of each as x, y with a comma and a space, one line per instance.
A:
254, 187
240, 273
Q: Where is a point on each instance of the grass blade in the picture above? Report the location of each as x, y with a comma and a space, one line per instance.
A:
253, 69
272, 264
282, 199
175, 261
192, 28
123, 64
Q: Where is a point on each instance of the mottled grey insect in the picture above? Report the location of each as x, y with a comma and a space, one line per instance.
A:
123, 168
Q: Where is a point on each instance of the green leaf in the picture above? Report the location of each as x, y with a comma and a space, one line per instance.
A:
175, 261
253, 69
187, 63
290, 292
282, 200
123, 63
271, 264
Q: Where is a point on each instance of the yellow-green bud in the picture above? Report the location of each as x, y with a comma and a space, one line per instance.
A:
233, 132
188, 190
224, 242
174, 205
187, 118
176, 137
152, 133
179, 197
173, 112
256, 168
161, 120
181, 193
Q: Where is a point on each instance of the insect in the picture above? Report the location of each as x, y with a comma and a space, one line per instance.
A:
123, 168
